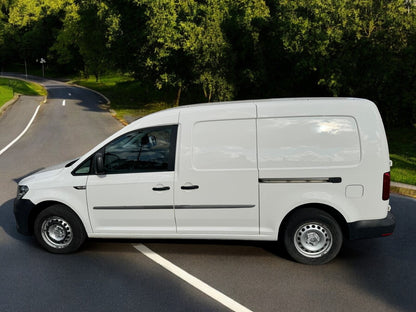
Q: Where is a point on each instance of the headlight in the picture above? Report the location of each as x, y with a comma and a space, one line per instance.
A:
21, 191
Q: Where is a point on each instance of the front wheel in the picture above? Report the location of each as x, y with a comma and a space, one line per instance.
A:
59, 230
312, 236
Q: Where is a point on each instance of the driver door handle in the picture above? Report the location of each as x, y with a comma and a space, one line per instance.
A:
189, 187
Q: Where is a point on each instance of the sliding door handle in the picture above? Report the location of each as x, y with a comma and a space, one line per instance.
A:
189, 187
161, 188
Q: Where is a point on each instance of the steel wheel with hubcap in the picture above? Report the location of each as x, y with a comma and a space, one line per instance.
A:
312, 236
313, 240
56, 232
59, 230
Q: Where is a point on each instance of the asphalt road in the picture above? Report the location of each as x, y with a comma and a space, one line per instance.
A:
107, 275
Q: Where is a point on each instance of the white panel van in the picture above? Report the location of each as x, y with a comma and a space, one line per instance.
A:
307, 172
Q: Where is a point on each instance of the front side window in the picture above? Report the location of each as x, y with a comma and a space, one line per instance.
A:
145, 150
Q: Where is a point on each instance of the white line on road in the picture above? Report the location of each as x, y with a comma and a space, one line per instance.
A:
192, 280
63, 102
23, 132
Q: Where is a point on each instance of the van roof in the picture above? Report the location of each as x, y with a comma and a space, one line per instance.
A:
280, 100
272, 100
267, 107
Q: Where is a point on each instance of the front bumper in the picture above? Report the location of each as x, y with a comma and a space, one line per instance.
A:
372, 228
22, 212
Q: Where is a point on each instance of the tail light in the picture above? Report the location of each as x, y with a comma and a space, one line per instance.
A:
386, 186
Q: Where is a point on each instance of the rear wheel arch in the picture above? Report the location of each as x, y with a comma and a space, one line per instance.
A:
312, 234
326, 208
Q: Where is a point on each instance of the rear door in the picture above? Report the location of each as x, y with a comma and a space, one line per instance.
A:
216, 186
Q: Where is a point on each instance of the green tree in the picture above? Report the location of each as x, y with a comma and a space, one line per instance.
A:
348, 48
91, 27
227, 49
243, 28
4, 13
163, 58
31, 27
129, 36
186, 43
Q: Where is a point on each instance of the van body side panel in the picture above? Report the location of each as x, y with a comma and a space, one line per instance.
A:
308, 142
216, 181
278, 199
302, 143
127, 203
239, 169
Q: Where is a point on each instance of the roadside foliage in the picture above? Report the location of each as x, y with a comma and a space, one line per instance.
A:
226, 49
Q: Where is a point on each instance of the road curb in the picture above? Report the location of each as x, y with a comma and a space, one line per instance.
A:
92, 90
114, 114
111, 111
403, 189
9, 103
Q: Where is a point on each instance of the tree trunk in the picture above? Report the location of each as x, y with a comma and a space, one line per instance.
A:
178, 96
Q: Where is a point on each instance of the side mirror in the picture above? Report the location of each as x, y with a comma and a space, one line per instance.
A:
99, 164
148, 141
145, 140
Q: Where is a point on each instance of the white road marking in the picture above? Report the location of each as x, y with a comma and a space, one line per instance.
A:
63, 102
22, 133
192, 280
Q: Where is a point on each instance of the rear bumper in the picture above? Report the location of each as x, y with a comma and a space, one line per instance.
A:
372, 228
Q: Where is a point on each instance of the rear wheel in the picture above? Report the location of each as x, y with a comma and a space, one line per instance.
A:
312, 236
59, 230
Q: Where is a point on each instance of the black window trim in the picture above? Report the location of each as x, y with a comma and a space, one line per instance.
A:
73, 172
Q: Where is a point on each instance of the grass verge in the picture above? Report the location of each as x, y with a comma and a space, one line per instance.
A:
130, 99
6, 94
10, 87
402, 144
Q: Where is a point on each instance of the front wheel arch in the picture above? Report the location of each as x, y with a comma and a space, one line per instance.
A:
38, 209
57, 228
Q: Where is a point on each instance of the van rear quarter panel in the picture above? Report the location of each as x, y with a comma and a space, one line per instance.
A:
361, 164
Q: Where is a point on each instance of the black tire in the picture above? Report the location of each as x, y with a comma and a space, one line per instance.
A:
59, 230
312, 236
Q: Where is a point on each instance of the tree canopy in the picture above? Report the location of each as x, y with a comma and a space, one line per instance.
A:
227, 49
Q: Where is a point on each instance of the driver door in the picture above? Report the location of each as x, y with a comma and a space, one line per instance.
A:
135, 194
